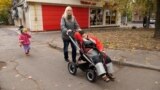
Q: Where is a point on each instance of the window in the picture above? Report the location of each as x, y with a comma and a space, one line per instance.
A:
110, 17
96, 16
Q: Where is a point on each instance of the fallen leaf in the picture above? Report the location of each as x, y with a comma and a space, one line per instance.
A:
118, 80
106, 89
147, 58
29, 77
156, 82
56, 85
4, 67
114, 58
69, 85
22, 79
124, 59
147, 61
17, 75
80, 83
13, 88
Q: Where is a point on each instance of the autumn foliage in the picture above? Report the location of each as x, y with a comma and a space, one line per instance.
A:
129, 39
5, 6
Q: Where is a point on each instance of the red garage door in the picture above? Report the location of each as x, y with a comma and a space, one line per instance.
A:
82, 16
52, 16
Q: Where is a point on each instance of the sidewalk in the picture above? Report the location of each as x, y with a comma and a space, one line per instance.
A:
138, 25
135, 58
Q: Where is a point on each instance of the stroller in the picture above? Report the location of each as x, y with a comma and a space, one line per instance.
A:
92, 68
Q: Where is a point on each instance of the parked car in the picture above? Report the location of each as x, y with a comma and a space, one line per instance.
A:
152, 21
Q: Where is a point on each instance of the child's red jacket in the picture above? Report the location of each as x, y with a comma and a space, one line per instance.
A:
98, 43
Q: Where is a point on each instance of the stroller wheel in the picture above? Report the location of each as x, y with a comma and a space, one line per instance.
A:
72, 68
91, 75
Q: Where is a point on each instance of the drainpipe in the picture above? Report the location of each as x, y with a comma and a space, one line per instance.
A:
104, 16
35, 18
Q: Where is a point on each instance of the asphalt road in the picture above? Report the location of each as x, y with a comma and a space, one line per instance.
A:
45, 69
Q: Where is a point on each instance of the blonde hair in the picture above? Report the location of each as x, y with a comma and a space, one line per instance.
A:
25, 30
65, 13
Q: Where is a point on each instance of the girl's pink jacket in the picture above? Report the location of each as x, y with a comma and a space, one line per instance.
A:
24, 38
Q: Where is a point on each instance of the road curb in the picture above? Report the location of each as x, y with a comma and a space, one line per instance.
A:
124, 63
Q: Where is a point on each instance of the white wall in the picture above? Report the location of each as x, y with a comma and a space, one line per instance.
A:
28, 19
68, 2
20, 20
35, 17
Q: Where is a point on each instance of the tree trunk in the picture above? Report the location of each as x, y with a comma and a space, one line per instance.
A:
157, 25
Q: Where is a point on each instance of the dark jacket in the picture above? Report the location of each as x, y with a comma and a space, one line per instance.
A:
66, 25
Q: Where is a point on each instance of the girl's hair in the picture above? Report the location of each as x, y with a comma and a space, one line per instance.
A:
24, 30
20, 28
65, 13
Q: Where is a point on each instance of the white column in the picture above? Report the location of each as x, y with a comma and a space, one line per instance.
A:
104, 16
118, 18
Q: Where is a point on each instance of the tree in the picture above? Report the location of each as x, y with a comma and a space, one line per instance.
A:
157, 25
122, 5
5, 6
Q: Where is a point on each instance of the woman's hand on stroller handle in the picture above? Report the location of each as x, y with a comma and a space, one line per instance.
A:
81, 50
79, 29
103, 51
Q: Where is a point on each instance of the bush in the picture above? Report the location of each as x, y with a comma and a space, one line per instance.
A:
4, 16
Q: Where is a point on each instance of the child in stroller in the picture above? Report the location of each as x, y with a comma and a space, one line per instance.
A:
94, 49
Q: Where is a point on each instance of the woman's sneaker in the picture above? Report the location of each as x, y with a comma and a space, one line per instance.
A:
105, 78
67, 60
111, 77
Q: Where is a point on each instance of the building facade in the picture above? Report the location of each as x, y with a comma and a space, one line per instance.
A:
45, 15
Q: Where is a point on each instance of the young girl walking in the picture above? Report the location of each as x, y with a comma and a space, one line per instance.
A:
24, 40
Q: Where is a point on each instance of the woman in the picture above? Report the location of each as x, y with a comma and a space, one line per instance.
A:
68, 26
